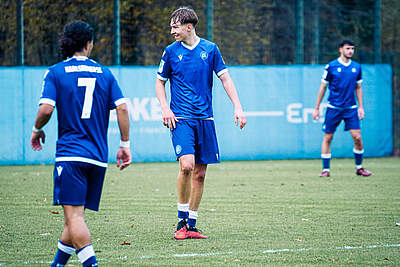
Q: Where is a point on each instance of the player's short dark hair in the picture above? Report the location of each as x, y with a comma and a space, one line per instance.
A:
75, 37
185, 15
346, 42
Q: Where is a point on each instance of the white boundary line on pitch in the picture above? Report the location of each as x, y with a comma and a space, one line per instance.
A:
268, 251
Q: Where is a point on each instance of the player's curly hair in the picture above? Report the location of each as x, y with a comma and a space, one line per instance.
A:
75, 37
185, 15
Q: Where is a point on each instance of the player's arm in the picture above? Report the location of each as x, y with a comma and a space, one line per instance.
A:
321, 93
359, 95
230, 90
43, 116
124, 156
168, 116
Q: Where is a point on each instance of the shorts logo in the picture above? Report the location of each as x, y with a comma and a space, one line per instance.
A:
203, 55
353, 70
178, 149
59, 170
339, 69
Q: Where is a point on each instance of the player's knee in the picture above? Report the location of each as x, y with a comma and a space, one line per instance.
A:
187, 168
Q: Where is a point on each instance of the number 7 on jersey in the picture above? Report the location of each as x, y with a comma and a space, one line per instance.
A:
89, 84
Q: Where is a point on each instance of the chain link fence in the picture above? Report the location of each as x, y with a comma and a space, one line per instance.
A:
255, 32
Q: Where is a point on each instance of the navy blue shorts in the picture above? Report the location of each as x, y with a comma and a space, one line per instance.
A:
78, 184
196, 137
334, 116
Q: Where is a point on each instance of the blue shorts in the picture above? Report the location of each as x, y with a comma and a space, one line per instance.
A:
334, 116
78, 184
196, 137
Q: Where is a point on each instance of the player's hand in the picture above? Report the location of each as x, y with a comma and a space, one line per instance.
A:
315, 114
169, 118
37, 139
240, 118
361, 113
124, 158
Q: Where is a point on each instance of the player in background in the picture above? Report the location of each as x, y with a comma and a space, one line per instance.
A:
84, 92
343, 76
189, 64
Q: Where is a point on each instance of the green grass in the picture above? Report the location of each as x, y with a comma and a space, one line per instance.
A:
247, 208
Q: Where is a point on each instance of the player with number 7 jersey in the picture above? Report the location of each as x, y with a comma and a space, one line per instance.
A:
81, 88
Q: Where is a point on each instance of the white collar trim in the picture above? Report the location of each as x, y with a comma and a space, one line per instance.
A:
191, 47
343, 63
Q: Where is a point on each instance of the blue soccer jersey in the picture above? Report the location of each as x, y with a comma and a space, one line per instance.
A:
190, 71
342, 79
83, 92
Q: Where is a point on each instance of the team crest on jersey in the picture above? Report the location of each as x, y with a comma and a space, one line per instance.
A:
180, 57
339, 69
203, 55
178, 149
353, 70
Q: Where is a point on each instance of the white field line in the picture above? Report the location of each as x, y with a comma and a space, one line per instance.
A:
267, 251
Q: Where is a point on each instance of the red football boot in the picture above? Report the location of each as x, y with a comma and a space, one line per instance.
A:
325, 174
192, 232
363, 172
181, 230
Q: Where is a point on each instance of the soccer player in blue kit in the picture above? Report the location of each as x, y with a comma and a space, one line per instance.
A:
189, 64
343, 76
84, 92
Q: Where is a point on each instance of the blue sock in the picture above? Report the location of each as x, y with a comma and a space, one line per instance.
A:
86, 256
192, 218
64, 251
326, 161
358, 157
183, 211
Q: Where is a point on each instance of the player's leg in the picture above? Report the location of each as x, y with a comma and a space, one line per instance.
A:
332, 120
352, 124
196, 194
183, 141
65, 249
79, 234
358, 153
186, 163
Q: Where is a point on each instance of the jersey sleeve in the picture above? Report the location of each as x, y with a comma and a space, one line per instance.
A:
49, 92
117, 98
218, 62
164, 70
359, 76
327, 75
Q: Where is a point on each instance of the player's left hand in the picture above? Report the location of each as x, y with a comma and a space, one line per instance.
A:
240, 118
37, 139
124, 158
361, 113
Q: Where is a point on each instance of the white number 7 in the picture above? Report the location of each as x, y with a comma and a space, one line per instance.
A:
89, 84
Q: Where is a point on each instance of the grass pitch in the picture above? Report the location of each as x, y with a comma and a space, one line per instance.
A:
277, 213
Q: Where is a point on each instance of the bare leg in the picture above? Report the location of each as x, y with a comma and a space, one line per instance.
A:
186, 163
75, 229
326, 143
198, 178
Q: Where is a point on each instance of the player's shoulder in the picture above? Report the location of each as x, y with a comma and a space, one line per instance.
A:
208, 45
355, 64
332, 63
175, 45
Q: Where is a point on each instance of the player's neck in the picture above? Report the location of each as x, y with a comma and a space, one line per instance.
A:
191, 40
344, 59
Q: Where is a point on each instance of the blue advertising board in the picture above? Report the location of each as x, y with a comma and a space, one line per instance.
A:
278, 101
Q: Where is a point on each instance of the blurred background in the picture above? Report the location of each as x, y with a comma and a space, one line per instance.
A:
256, 32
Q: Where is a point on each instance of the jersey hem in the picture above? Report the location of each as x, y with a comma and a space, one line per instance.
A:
81, 159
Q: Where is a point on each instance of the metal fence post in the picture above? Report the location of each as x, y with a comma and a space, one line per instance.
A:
210, 20
20, 32
299, 32
117, 35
